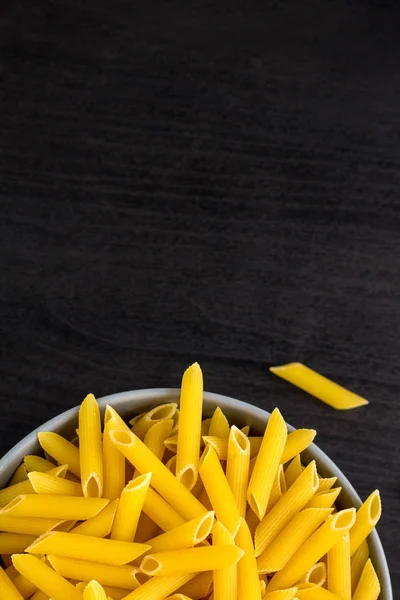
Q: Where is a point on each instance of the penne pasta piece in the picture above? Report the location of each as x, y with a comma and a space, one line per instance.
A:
189, 431
111, 413
316, 575
324, 499
25, 487
171, 464
8, 591
205, 426
248, 581
286, 508
367, 517
326, 484
136, 419
176, 422
27, 525
90, 448
159, 511
246, 430
113, 464
252, 521
39, 595
296, 442
288, 594
20, 474
237, 467
12, 543
199, 587
158, 588
44, 578
293, 471
162, 480
318, 544
54, 507
219, 425
358, 561
368, 587
100, 525
270, 455
37, 463
146, 529
190, 560
85, 547
339, 568
310, 591
263, 587
94, 591
156, 436
218, 490
113, 593
159, 413
25, 587
178, 597
185, 536
61, 450
278, 488
278, 553
319, 386
124, 576
225, 580
129, 508
45, 483
171, 443
220, 445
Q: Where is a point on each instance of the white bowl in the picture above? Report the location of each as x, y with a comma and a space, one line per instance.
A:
130, 403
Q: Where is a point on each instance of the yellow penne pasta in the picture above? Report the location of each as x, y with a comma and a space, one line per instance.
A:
27, 525
156, 436
54, 507
293, 471
286, 508
263, 587
44, 578
326, 483
368, 587
189, 431
45, 483
159, 413
205, 426
171, 465
270, 455
11, 543
176, 421
90, 448
252, 521
237, 467
94, 591
8, 591
111, 413
339, 568
124, 576
220, 445
20, 474
61, 450
113, 464
158, 588
100, 525
37, 463
225, 580
25, 487
162, 479
248, 581
319, 386
171, 443
25, 587
310, 591
198, 587
296, 442
278, 488
147, 529
318, 544
129, 508
219, 425
324, 499
367, 517
114, 593
358, 561
288, 594
85, 547
178, 597
39, 595
316, 575
218, 490
159, 511
278, 553
190, 560
185, 536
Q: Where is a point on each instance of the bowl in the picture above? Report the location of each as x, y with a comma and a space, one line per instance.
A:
129, 403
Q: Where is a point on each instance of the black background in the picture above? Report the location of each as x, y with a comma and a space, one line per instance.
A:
211, 181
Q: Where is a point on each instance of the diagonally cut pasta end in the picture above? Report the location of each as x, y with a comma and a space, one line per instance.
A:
33, 548
142, 481
343, 520
150, 566
121, 438
188, 476
92, 487
374, 507
204, 528
12, 504
240, 439
255, 506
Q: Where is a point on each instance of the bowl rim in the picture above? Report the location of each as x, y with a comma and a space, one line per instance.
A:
154, 395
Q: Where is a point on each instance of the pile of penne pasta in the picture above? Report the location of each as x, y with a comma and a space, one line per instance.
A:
180, 507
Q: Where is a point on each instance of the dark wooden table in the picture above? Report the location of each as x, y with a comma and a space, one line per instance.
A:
211, 181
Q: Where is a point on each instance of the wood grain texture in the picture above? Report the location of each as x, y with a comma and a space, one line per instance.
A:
212, 181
